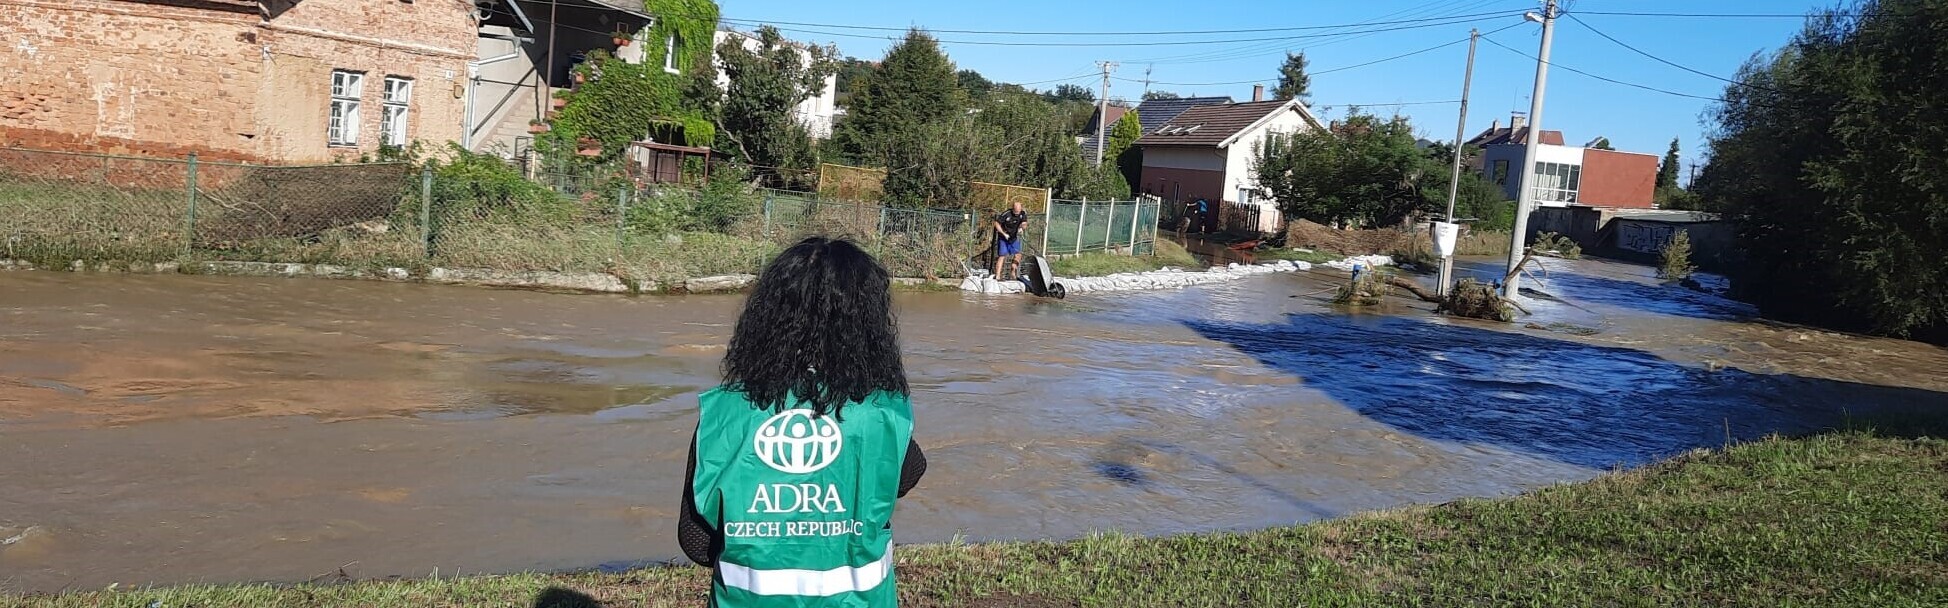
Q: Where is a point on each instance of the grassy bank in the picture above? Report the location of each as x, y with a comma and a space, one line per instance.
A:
1095, 264
1849, 518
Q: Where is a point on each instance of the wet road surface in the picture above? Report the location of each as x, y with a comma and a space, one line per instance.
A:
175, 429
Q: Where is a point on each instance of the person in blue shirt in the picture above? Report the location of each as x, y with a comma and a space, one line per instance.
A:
1007, 238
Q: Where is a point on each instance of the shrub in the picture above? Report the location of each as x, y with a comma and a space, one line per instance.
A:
1550, 243
1676, 256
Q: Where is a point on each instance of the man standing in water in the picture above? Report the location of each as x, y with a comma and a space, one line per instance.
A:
1007, 238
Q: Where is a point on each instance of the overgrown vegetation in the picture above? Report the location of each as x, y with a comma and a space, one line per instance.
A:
1842, 519
1550, 243
1366, 171
1368, 287
1476, 300
1675, 258
1827, 155
756, 122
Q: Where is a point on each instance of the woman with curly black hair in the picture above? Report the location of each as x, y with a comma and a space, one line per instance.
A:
801, 453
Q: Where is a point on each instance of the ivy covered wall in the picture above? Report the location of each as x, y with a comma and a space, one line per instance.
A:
616, 102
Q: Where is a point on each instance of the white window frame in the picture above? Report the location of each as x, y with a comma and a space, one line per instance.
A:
342, 123
396, 111
669, 55
1557, 182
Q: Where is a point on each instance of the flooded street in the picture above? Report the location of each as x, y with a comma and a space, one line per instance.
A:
177, 429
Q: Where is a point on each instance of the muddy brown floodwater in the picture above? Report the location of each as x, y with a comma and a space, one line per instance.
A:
177, 429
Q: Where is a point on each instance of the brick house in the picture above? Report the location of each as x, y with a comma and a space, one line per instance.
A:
244, 80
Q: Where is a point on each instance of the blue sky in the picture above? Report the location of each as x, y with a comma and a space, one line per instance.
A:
1582, 107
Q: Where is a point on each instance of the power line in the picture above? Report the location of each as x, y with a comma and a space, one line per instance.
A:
1709, 15
1156, 42
1602, 78
1572, 17
1108, 33
1337, 69
1283, 46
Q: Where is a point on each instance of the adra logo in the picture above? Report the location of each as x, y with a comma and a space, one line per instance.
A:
797, 442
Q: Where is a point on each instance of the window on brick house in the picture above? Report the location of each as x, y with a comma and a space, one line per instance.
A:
669, 55
398, 99
346, 88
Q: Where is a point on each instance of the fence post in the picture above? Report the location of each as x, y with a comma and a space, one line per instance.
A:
426, 210
1048, 214
189, 216
1136, 217
622, 212
1081, 218
767, 212
1109, 227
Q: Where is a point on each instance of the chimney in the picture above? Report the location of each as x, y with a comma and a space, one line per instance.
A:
1496, 125
1518, 120
1257, 92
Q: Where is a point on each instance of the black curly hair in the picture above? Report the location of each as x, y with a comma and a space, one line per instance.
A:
818, 328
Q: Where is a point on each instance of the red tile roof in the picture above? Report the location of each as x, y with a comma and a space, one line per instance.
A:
1210, 125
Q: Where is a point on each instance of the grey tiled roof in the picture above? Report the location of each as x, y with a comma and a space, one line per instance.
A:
1158, 112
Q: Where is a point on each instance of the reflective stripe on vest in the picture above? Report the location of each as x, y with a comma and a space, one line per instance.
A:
814, 583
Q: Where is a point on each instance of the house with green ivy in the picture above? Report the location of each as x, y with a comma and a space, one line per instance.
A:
561, 79
585, 80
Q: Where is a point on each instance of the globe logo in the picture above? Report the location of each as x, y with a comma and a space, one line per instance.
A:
796, 442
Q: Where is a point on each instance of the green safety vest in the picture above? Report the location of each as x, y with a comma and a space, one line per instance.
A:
803, 503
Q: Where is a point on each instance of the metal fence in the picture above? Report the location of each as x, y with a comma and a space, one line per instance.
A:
68, 206
57, 208
1075, 227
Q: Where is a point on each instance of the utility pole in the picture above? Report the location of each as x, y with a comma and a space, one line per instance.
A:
1454, 183
1146, 78
1102, 112
1526, 200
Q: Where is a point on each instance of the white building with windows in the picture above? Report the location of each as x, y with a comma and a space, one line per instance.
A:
817, 112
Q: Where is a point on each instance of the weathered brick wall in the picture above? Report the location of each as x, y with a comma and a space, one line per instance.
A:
430, 41
132, 77
127, 77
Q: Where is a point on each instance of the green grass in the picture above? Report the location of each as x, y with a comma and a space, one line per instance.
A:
1850, 518
1095, 264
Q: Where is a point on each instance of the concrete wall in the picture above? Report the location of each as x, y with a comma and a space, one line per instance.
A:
161, 80
1618, 179
1611, 233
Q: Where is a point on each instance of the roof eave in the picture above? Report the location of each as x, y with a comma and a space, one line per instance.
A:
1269, 117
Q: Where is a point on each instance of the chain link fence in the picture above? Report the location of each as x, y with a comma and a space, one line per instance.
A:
59, 207
1076, 227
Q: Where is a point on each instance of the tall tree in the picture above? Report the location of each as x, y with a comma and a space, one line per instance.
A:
1072, 92
852, 73
1826, 157
892, 112
1363, 171
1149, 95
976, 85
1122, 148
1293, 83
765, 85
1667, 172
